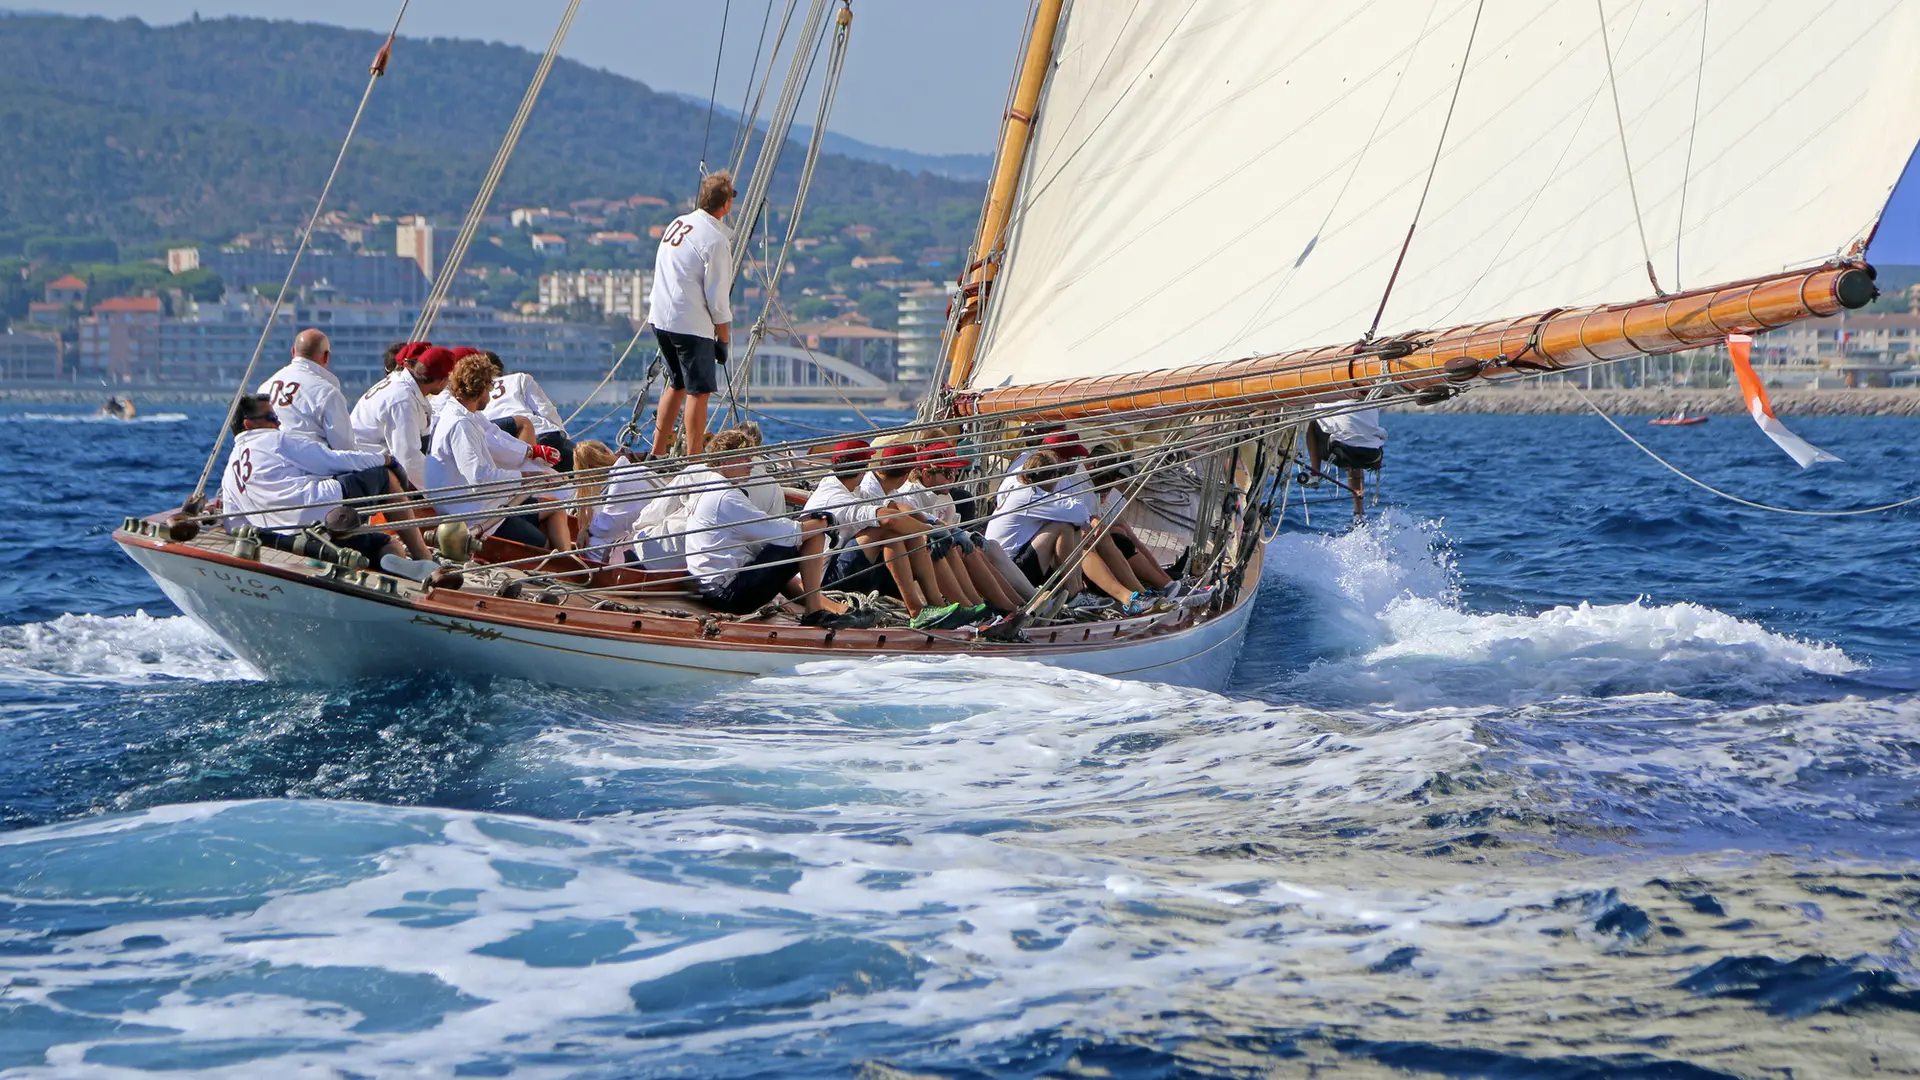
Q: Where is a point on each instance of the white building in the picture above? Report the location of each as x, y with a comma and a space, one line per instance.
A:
528, 217
413, 239
610, 292
923, 320
549, 243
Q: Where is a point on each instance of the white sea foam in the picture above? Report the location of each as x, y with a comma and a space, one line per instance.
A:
124, 648
1387, 596
96, 418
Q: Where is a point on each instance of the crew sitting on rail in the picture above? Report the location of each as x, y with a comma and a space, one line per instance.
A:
882, 544
1106, 566
1041, 520
743, 559
393, 417
276, 481
613, 503
932, 486
461, 457
1112, 475
307, 397
963, 572
516, 395
1351, 439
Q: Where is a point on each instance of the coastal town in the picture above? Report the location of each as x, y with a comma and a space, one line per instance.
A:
561, 290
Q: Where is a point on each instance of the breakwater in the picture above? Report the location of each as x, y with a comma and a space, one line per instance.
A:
1651, 401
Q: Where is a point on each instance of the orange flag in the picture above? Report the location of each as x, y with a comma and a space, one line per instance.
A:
1740, 347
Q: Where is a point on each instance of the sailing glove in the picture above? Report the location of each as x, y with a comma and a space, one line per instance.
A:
545, 453
719, 352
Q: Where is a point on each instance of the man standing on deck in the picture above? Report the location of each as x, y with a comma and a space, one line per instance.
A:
1352, 440
691, 312
306, 396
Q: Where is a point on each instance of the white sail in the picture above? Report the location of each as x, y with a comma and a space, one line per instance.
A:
1215, 179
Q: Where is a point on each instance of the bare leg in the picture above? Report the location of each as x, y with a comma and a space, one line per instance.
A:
896, 555
987, 580
666, 417
1148, 571
954, 581
523, 430
923, 573
1010, 575
409, 535
559, 529
1054, 543
1109, 553
1357, 480
1102, 576
813, 568
696, 408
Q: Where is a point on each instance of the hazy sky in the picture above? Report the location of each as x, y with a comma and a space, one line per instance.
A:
921, 75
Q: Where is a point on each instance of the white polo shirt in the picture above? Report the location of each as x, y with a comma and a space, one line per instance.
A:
275, 478
307, 399
516, 394
1360, 430
692, 276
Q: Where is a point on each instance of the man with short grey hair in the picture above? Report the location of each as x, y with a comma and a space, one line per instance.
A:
307, 397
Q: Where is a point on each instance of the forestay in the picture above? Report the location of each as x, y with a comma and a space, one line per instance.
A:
1215, 179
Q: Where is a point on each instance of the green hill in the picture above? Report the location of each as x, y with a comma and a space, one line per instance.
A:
209, 128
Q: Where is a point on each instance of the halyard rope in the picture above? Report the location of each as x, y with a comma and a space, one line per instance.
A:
374, 74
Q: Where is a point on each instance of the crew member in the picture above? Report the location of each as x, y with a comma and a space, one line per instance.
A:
691, 312
306, 396
882, 545
462, 457
629, 487
1351, 440
516, 396
743, 559
276, 480
971, 582
931, 486
393, 416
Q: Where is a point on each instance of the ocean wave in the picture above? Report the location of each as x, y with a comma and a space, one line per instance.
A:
1386, 605
96, 418
116, 649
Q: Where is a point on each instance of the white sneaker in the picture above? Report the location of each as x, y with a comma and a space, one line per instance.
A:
411, 569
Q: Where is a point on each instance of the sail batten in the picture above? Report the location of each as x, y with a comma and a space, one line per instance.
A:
1217, 179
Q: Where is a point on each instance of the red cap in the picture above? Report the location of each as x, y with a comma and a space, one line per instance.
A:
941, 455
1065, 444
900, 456
463, 352
412, 350
436, 363
849, 451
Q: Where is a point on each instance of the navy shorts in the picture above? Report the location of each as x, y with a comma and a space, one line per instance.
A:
690, 361
363, 483
853, 571
1028, 560
755, 585
1343, 456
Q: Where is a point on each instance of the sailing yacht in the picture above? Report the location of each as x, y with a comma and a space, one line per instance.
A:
1207, 218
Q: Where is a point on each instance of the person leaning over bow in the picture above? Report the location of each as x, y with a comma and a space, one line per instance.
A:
306, 396
278, 481
743, 559
1350, 439
690, 310
461, 457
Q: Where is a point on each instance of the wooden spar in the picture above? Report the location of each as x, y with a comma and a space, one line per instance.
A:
1575, 337
1008, 163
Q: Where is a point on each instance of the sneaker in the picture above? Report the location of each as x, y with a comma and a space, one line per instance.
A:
965, 616
1138, 604
1175, 590
411, 569
930, 616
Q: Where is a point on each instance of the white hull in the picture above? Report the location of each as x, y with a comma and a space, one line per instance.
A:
302, 632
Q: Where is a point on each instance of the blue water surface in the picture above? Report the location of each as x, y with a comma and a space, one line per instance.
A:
1558, 766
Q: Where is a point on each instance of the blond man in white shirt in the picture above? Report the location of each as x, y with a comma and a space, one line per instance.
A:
691, 311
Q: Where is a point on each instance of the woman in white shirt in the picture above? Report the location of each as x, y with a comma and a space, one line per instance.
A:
461, 456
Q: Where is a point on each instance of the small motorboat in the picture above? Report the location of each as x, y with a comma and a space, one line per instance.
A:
1678, 419
117, 408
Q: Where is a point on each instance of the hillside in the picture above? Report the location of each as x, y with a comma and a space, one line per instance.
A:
208, 128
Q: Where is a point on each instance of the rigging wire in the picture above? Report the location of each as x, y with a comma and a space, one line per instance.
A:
1438, 146
750, 119
1682, 474
1686, 171
374, 74
1620, 125
713, 92
457, 253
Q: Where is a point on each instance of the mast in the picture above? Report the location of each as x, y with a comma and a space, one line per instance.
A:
1551, 340
1008, 164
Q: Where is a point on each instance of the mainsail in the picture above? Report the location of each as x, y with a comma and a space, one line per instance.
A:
1210, 180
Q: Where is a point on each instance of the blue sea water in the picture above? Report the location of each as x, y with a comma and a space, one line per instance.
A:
1556, 767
